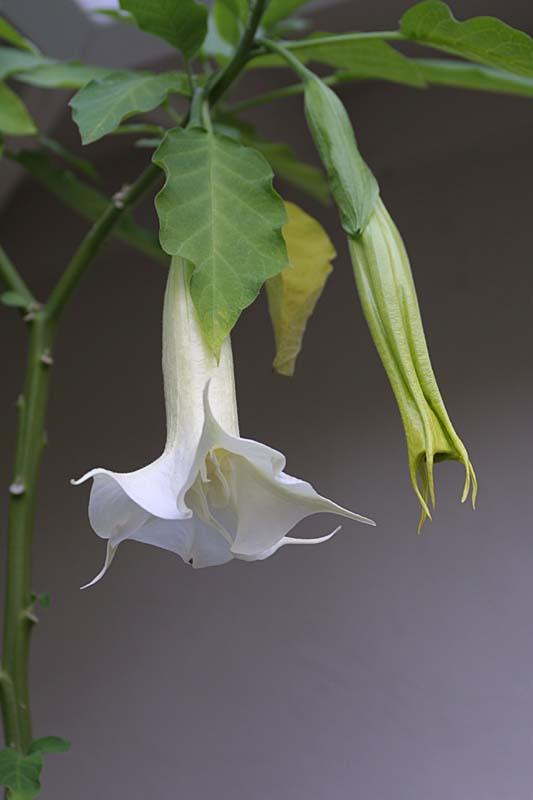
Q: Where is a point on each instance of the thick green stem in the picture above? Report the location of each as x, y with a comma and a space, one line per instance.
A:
242, 53
94, 240
19, 616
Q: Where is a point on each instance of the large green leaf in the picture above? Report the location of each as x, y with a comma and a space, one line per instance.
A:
294, 293
101, 106
484, 39
10, 34
85, 200
183, 23
218, 210
66, 75
13, 60
279, 9
20, 773
14, 116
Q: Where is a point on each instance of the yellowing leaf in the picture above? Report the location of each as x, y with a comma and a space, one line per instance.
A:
293, 294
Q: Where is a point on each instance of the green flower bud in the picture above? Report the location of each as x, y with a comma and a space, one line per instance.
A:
352, 183
388, 296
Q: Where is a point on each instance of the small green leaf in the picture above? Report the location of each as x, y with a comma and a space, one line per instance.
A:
88, 202
293, 294
9, 34
183, 23
101, 106
20, 773
218, 210
352, 183
49, 744
13, 61
14, 116
485, 39
43, 599
115, 14
66, 75
279, 9
228, 20
13, 300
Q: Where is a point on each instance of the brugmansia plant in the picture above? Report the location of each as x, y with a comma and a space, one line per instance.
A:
224, 233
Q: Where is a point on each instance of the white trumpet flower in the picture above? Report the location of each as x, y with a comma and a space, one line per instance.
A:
211, 496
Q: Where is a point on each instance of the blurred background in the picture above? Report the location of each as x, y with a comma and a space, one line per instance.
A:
382, 665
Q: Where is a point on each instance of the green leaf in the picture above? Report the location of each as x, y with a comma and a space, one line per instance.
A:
371, 58
115, 14
228, 20
9, 34
43, 599
49, 744
470, 76
14, 116
183, 23
101, 106
352, 183
13, 61
483, 39
218, 210
81, 164
293, 294
88, 202
279, 155
289, 168
66, 75
13, 300
279, 9
20, 773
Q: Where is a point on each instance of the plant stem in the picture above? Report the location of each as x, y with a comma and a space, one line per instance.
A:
19, 616
233, 68
93, 241
10, 277
307, 44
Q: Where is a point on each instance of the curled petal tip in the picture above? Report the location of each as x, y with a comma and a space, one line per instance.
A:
109, 556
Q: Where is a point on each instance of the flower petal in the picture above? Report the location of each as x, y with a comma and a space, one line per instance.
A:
153, 488
268, 502
109, 556
289, 540
198, 544
270, 505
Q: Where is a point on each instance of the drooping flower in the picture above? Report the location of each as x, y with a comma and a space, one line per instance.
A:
388, 296
212, 495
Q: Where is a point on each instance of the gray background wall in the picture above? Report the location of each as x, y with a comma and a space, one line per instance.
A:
383, 665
